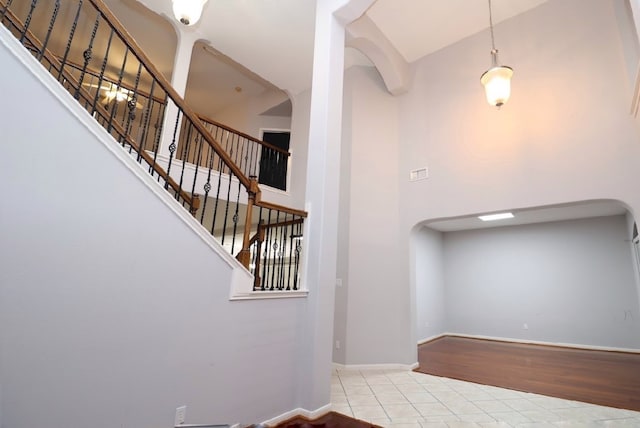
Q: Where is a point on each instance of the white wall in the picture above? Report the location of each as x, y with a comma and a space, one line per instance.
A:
569, 282
344, 216
299, 147
428, 259
373, 224
113, 312
566, 134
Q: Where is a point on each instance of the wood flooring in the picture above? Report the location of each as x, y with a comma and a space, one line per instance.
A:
330, 420
597, 377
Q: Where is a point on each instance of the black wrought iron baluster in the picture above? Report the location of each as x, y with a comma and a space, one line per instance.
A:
54, 16
228, 150
207, 188
297, 252
245, 156
226, 211
72, 33
102, 70
283, 251
240, 153
236, 148
253, 159
87, 55
254, 259
27, 21
276, 252
158, 126
5, 8
199, 138
219, 138
267, 253
294, 238
215, 211
260, 241
148, 112
172, 149
132, 101
120, 75
185, 150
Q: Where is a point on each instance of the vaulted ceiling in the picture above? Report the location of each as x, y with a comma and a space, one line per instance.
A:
274, 38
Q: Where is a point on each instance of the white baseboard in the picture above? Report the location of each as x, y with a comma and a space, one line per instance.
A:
429, 339
540, 342
310, 414
347, 367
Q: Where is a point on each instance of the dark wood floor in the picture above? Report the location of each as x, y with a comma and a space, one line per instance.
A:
330, 420
598, 377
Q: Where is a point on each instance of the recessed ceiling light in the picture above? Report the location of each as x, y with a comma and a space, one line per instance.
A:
493, 217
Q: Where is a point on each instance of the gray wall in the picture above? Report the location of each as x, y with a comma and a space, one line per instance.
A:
570, 282
430, 283
371, 243
113, 312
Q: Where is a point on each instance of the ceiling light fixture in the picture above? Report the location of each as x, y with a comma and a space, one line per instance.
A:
188, 12
494, 217
496, 80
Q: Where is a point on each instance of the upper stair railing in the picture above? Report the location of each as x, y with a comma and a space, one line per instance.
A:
90, 53
250, 154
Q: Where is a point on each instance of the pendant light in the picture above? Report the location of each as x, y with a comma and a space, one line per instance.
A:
496, 80
188, 12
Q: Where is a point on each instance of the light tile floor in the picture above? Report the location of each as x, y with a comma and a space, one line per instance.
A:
396, 398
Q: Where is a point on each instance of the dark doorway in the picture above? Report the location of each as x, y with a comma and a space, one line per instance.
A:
273, 163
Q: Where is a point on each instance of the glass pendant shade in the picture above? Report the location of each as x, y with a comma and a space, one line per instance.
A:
497, 84
188, 12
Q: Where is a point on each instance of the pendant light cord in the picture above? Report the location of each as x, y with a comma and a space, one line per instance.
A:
493, 42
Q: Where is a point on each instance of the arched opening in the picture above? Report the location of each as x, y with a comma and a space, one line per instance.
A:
556, 274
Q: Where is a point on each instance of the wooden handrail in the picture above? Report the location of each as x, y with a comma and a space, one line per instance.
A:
271, 206
53, 60
166, 86
282, 223
242, 134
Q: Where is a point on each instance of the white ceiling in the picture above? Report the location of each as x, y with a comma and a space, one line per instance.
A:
419, 27
274, 38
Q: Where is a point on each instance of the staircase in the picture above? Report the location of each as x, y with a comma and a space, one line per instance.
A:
209, 169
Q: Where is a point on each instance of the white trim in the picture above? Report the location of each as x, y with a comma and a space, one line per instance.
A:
390, 366
635, 96
430, 338
540, 342
256, 295
310, 414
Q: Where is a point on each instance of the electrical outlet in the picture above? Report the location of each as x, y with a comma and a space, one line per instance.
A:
337, 344
525, 326
181, 414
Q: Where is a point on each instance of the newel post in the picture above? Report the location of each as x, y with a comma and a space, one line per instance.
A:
244, 256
